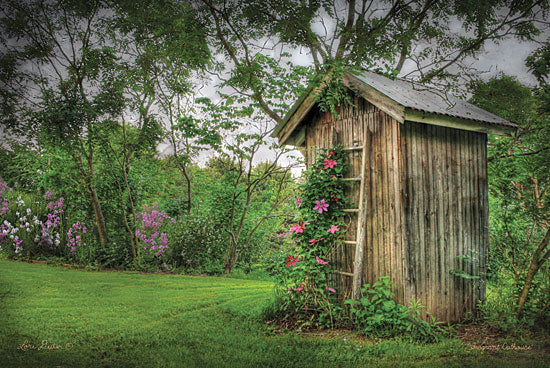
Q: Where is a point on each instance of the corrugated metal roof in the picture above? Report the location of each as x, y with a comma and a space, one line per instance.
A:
420, 97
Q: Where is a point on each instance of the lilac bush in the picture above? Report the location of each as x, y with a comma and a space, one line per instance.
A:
149, 232
74, 236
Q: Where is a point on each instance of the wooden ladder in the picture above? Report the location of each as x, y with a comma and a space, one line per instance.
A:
359, 241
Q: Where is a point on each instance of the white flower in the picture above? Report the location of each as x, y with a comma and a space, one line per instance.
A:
29, 229
57, 241
11, 237
28, 211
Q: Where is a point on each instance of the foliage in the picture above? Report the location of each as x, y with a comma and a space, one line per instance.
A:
384, 36
519, 172
377, 315
197, 244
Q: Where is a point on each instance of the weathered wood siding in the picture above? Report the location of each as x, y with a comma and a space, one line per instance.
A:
427, 203
384, 254
446, 215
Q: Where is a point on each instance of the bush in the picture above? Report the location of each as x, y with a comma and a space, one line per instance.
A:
377, 315
196, 245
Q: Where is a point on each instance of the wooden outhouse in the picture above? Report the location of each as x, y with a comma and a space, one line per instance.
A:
418, 182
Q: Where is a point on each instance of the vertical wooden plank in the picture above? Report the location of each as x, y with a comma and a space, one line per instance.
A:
485, 190
449, 230
378, 270
398, 211
408, 209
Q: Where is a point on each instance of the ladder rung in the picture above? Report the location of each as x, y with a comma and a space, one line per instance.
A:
345, 273
350, 242
353, 148
351, 210
357, 178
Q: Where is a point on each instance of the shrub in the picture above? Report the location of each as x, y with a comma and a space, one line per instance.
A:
377, 315
196, 245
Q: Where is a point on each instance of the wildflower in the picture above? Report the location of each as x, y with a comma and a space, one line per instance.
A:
330, 289
329, 164
281, 235
298, 202
320, 261
333, 229
291, 261
320, 206
300, 287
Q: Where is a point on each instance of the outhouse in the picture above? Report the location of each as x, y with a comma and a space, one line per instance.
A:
418, 182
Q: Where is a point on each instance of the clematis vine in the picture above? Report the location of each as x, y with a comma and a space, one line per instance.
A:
313, 241
321, 206
291, 261
329, 164
333, 229
320, 261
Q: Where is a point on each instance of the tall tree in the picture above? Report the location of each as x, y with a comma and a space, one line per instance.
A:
59, 79
431, 37
519, 169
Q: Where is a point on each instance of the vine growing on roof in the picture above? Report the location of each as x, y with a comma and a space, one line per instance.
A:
303, 279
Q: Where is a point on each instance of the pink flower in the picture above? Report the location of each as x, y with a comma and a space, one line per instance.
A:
298, 202
333, 229
299, 228
331, 153
330, 289
320, 261
313, 241
320, 206
281, 235
300, 287
329, 164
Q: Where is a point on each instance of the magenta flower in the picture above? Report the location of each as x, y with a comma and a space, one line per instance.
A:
330, 289
281, 235
298, 202
320, 206
313, 241
329, 164
320, 261
299, 228
333, 229
300, 287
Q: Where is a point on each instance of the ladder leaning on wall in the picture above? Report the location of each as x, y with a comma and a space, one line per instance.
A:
359, 241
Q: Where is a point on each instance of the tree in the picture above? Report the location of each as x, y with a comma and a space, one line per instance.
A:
519, 172
252, 193
256, 36
59, 79
72, 70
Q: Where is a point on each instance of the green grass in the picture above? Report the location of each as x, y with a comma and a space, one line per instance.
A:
128, 319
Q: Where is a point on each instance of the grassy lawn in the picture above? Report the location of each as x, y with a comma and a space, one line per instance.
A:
112, 319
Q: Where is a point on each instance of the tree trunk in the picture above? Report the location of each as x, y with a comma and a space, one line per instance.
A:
536, 262
94, 201
98, 213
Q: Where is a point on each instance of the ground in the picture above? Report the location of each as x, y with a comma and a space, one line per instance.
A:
57, 317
